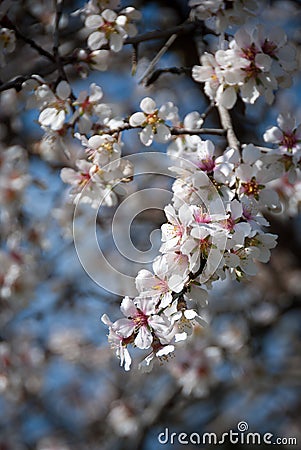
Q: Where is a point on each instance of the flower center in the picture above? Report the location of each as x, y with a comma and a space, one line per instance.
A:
207, 165
269, 48
251, 187
140, 319
288, 140
84, 179
152, 118
201, 217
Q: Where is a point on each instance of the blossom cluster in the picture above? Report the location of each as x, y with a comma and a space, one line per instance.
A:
221, 14
215, 222
107, 27
256, 63
203, 241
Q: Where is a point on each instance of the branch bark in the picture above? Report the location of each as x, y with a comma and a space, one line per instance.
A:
226, 122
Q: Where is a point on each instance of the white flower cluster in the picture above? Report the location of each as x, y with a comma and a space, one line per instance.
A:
203, 241
153, 121
221, 14
286, 138
107, 27
93, 181
255, 64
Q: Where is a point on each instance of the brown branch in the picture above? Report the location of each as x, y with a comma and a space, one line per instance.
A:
180, 131
148, 73
226, 122
174, 130
185, 28
173, 70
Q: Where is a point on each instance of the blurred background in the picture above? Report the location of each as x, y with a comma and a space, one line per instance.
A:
61, 387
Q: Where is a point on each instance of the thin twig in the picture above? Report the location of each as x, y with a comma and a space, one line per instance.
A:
8, 24
159, 55
228, 127
56, 39
190, 131
185, 28
174, 130
173, 70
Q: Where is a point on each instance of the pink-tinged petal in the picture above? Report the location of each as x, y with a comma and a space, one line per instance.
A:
146, 305
166, 300
176, 283
116, 42
124, 327
273, 135
286, 122
144, 338
128, 307
70, 176
163, 133
166, 350
147, 136
202, 73
125, 358
171, 214
137, 119
106, 320
145, 281
148, 105
160, 267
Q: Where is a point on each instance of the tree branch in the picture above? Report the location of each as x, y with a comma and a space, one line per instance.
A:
56, 39
185, 28
159, 55
173, 70
226, 122
6, 22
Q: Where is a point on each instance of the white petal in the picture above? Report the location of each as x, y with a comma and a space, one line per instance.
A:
163, 133
96, 40
144, 338
148, 105
63, 90
137, 119
273, 135
116, 42
128, 307
147, 135
94, 21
